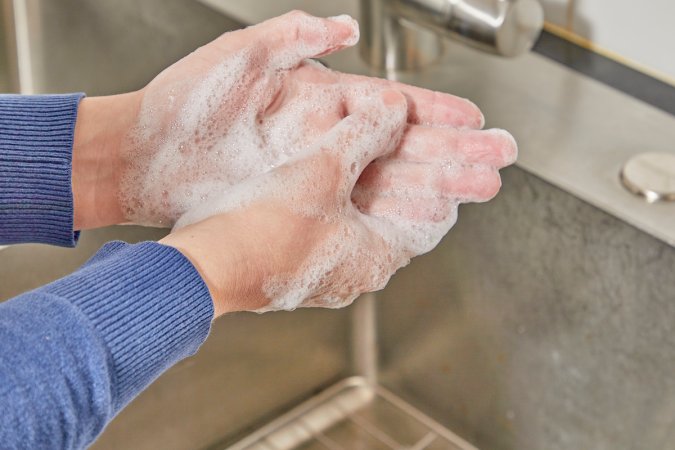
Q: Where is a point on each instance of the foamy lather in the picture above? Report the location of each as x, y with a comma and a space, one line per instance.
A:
363, 251
201, 158
196, 148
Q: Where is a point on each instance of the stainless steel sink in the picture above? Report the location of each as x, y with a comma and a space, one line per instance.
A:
543, 320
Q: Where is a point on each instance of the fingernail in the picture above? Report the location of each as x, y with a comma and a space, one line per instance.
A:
350, 27
510, 147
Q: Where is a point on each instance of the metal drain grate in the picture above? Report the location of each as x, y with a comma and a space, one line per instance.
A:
353, 415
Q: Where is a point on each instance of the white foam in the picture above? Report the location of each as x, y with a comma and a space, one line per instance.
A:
207, 159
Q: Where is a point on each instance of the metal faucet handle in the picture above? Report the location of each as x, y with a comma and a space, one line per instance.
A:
505, 27
397, 32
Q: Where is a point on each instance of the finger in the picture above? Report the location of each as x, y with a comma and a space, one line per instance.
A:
425, 107
369, 133
477, 184
419, 210
296, 36
421, 180
495, 147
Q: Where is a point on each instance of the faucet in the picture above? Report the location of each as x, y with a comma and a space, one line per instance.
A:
405, 34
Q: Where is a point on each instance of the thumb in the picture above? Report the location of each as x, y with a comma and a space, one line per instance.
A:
370, 133
296, 36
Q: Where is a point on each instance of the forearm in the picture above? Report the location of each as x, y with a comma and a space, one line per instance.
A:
78, 350
222, 249
100, 132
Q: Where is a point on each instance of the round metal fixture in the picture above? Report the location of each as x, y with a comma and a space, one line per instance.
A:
650, 175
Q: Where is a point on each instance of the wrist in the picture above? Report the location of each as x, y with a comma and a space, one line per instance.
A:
100, 131
214, 267
218, 249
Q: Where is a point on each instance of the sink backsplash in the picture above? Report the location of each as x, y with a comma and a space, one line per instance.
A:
540, 322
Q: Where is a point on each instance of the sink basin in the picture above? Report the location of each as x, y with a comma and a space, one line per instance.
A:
543, 320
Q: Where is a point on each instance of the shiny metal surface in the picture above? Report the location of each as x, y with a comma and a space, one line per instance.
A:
650, 175
388, 43
363, 342
397, 32
24, 25
353, 414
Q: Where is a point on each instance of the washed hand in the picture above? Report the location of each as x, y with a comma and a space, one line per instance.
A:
292, 237
244, 146
250, 100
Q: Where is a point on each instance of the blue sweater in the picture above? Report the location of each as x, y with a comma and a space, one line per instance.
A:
75, 352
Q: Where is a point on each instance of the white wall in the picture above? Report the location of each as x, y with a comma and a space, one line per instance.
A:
642, 32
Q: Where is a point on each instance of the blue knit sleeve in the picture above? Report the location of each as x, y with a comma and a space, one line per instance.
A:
36, 142
74, 352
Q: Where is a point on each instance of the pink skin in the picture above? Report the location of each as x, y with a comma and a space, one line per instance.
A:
440, 157
439, 124
443, 148
285, 98
298, 217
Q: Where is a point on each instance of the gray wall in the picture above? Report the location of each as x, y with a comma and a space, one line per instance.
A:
539, 323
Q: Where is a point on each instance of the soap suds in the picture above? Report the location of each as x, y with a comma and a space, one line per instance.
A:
207, 159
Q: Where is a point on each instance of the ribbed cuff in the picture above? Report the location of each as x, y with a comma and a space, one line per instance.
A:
36, 146
149, 305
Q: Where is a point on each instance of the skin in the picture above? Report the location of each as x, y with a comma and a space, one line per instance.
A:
437, 131
276, 237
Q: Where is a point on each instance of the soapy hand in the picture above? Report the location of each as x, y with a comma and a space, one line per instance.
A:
443, 159
202, 123
247, 102
293, 237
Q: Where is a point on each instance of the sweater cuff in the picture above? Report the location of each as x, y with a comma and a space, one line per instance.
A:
148, 304
36, 145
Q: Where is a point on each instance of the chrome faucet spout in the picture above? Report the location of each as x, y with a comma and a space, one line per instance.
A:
404, 34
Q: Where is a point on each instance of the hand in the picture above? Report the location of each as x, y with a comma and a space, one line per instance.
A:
127, 147
149, 156
293, 237
244, 104
443, 159
203, 126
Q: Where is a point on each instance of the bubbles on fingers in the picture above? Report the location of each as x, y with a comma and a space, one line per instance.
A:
233, 140
297, 36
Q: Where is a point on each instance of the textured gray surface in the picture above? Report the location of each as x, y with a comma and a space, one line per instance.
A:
540, 322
